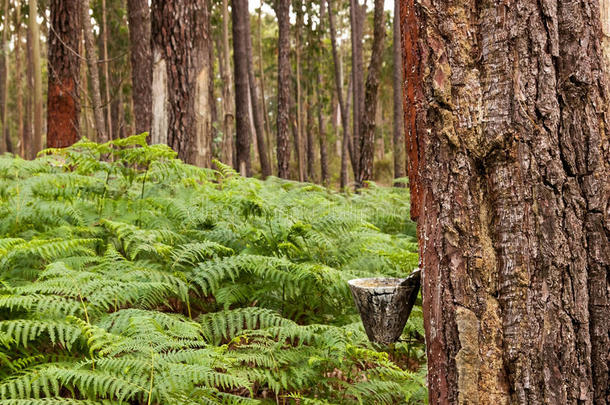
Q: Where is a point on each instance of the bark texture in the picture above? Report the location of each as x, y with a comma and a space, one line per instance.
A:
181, 108
283, 90
239, 16
357, 15
228, 122
138, 14
63, 110
506, 121
367, 123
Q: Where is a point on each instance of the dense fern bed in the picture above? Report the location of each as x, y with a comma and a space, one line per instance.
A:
129, 277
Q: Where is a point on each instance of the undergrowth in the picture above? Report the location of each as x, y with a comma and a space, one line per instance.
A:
128, 277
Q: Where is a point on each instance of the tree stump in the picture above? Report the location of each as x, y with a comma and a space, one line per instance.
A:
385, 304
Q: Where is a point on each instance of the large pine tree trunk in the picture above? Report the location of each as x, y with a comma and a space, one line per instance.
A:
180, 95
284, 84
367, 118
239, 14
509, 164
63, 110
138, 14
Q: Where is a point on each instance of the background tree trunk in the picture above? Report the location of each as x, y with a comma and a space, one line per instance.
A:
298, 139
107, 100
180, 95
138, 14
19, 75
398, 122
367, 123
228, 100
94, 78
344, 110
4, 62
36, 71
357, 15
509, 160
254, 98
239, 13
284, 84
63, 103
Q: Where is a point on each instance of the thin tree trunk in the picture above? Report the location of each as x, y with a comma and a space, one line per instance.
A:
36, 71
63, 106
107, 101
310, 152
96, 98
19, 75
257, 117
138, 13
262, 84
4, 80
28, 135
323, 140
339, 90
227, 90
239, 14
357, 13
181, 107
398, 122
506, 114
367, 123
299, 95
284, 84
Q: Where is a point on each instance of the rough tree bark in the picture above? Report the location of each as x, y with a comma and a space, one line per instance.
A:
398, 123
94, 78
506, 119
138, 13
63, 110
240, 64
367, 115
283, 90
257, 113
180, 95
35, 145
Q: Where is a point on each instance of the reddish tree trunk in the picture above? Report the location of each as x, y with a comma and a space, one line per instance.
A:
63, 110
509, 164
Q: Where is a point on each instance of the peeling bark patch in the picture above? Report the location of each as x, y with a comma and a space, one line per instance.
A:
467, 360
159, 101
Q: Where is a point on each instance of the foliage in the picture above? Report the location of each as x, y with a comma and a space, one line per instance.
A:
128, 277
